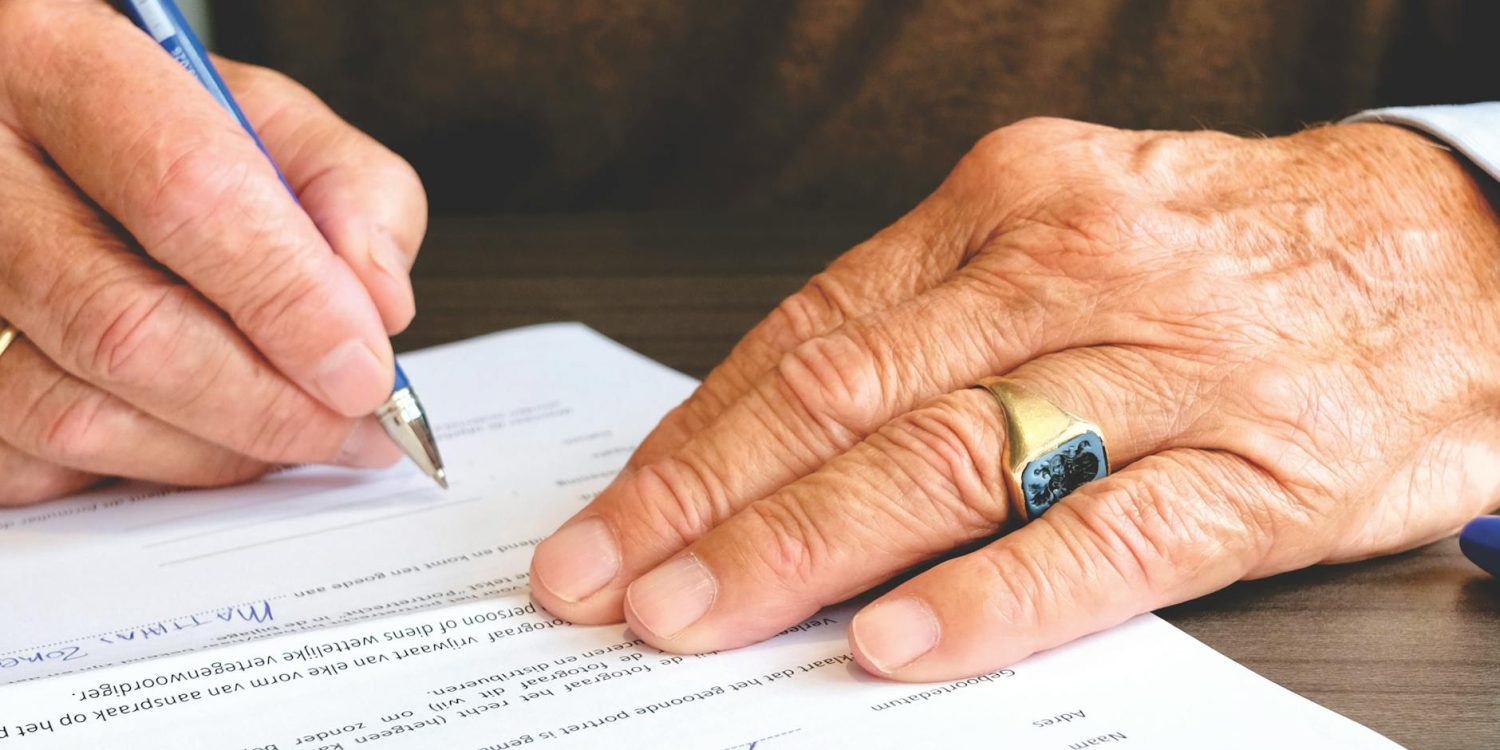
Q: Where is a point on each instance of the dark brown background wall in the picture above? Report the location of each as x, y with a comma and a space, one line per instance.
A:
539, 105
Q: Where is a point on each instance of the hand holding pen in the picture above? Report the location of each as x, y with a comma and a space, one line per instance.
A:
183, 319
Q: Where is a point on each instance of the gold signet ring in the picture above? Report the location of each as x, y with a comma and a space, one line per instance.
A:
1048, 452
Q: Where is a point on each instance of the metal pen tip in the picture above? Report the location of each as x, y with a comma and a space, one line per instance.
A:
406, 423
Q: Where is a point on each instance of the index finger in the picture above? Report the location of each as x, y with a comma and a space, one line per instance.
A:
142, 138
367, 201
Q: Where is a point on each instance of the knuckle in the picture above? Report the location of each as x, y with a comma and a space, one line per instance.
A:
1018, 587
1026, 165
1026, 136
1158, 153
813, 310
674, 499
67, 432
1172, 155
834, 380
195, 188
783, 541
280, 303
1043, 127
123, 336
1140, 533
689, 417
1167, 527
1252, 512
958, 457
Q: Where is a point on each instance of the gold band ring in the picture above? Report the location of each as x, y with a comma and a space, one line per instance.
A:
8, 335
1048, 452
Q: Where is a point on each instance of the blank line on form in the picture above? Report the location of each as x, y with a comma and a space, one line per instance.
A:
304, 513
261, 502
367, 521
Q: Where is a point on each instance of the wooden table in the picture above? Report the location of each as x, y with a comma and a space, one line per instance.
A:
1408, 645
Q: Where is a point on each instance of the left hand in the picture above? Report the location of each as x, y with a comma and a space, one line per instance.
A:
1292, 346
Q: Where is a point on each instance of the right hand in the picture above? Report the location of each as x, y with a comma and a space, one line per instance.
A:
185, 320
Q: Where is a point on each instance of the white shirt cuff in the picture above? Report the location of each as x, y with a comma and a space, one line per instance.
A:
1472, 129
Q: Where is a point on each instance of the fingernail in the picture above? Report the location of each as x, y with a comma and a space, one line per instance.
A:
895, 633
577, 561
349, 376
672, 597
368, 447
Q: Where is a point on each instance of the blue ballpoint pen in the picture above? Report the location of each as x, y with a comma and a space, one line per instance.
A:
402, 416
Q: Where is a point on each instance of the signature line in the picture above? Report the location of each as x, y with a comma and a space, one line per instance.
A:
304, 535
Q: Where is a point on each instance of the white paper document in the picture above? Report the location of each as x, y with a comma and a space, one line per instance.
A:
532, 424
330, 609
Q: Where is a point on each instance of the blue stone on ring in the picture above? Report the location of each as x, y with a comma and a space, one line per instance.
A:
1051, 476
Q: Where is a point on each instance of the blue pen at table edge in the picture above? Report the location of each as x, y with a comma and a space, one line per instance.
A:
1480, 542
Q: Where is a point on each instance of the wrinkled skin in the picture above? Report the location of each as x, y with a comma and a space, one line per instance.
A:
185, 320
1292, 346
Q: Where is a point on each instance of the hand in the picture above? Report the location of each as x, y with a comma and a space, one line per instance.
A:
185, 320
1292, 346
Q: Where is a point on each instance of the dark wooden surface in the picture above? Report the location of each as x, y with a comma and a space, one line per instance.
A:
1408, 645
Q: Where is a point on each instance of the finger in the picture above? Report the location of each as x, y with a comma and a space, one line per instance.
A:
142, 138
108, 317
927, 482
62, 420
822, 399
927, 245
25, 480
1173, 527
368, 202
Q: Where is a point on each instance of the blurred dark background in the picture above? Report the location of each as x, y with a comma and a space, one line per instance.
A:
546, 106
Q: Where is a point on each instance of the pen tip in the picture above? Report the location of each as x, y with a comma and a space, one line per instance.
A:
442, 478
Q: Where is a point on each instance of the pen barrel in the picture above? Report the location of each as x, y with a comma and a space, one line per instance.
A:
401, 382
166, 24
